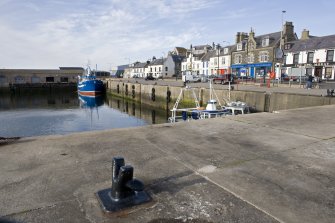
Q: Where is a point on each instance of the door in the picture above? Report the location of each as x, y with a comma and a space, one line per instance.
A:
318, 72
252, 72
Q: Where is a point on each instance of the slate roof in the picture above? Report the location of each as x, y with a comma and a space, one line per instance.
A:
208, 55
157, 62
181, 50
274, 38
201, 47
140, 65
324, 42
177, 58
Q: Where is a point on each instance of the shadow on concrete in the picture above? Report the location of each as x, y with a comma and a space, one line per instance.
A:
167, 220
173, 184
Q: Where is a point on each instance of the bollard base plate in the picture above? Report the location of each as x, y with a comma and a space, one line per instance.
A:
111, 206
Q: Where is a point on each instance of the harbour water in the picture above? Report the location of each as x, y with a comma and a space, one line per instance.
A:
36, 113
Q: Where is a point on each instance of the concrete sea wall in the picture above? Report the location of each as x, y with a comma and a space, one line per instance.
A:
165, 96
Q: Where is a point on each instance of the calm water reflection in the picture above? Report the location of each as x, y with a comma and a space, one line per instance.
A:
48, 113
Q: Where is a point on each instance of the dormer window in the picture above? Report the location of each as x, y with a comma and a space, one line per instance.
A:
265, 42
287, 46
239, 46
225, 50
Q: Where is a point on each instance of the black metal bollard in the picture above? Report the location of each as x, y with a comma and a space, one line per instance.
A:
125, 191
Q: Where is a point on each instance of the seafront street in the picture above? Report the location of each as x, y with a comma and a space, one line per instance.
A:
263, 167
249, 86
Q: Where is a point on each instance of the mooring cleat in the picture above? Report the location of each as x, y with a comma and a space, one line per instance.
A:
125, 192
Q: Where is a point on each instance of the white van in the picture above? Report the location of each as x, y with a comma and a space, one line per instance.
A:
189, 76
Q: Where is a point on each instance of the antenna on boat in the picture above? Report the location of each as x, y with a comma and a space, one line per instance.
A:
212, 92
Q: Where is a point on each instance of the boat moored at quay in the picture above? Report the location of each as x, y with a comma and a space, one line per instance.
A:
213, 108
89, 85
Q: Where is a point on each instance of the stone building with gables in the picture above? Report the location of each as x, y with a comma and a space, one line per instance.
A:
255, 56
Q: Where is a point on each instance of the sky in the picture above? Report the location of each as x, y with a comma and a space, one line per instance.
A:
48, 34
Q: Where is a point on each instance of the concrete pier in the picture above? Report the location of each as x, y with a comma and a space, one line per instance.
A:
263, 167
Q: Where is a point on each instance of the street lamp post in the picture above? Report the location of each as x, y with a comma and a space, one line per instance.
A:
218, 47
302, 64
227, 44
281, 43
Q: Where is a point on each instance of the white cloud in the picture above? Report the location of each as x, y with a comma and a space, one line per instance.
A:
48, 34
102, 36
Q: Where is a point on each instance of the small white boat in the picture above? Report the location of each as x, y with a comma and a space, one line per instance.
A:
197, 112
238, 107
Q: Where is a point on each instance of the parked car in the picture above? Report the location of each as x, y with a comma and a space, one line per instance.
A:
244, 78
285, 77
223, 79
151, 78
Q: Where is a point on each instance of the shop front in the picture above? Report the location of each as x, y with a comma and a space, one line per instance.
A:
253, 70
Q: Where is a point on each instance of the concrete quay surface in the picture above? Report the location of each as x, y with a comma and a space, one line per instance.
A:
263, 167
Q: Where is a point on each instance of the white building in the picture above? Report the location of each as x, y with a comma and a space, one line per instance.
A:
220, 61
138, 70
155, 68
315, 55
194, 60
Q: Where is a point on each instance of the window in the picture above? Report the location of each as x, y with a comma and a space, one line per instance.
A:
215, 61
328, 72
49, 79
223, 62
309, 71
64, 79
264, 56
284, 58
238, 59
310, 57
225, 50
166, 68
296, 58
287, 46
251, 58
330, 55
239, 46
265, 42
3, 79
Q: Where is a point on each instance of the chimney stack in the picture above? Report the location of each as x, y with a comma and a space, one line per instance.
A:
305, 34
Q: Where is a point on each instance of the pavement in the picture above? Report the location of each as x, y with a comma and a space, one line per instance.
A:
262, 167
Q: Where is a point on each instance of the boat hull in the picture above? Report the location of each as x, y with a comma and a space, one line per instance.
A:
91, 88
91, 102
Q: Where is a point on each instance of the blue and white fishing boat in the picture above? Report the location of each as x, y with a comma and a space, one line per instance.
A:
89, 85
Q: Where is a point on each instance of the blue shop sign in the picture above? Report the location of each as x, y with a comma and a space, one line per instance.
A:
262, 65
251, 65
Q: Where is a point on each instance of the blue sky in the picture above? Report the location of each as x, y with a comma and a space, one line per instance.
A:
53, 33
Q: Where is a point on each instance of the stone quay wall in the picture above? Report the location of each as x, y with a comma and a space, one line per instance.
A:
165, 96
